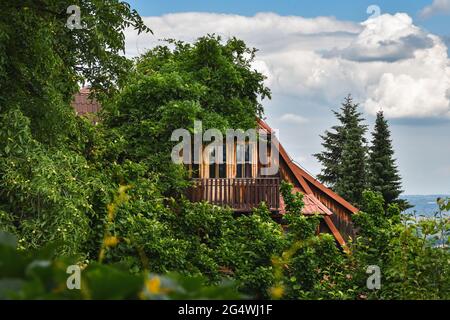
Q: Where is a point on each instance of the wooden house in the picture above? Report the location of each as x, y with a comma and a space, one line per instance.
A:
238, 183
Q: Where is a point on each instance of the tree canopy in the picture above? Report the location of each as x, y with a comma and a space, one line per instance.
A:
107, 197
210, 80
383, 172
42, 60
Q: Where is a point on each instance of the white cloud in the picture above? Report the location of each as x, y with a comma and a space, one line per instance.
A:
266, 30
437, 7
386, 38
293, 118
386, 62
445, 170
404, 96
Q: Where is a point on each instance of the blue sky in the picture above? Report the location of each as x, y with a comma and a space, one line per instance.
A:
343, 9
398, 62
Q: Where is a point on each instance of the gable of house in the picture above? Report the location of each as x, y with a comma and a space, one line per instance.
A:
318, 199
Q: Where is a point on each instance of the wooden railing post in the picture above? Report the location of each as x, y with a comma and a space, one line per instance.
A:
240, 194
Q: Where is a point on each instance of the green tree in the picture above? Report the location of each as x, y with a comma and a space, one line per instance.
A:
42, 61
412, 253
210, 80
331, 155
310, 260
345, 155
383, 172
49, 188
352, 169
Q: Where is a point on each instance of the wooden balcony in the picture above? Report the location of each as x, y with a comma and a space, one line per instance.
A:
239, 194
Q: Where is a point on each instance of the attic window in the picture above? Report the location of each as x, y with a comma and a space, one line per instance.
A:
218, 170
243, 161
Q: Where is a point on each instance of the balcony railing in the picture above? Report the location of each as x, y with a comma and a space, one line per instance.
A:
240, 194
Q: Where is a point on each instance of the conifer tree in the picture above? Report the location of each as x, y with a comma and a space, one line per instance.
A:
332, 143
330, 157
384, 176
345, 155
353, 163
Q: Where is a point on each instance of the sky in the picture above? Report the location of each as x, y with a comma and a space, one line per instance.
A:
390, 55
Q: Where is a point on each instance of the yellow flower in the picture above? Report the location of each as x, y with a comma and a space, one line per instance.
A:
153, 285
111, 211
277, 292
111, 241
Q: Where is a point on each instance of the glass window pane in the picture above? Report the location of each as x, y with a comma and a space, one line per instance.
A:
212, 170
239, 171
247, 153
239, 153
222, 170
248, 170
224, 153
222, 165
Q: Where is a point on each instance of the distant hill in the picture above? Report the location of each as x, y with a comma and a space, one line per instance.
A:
423, 204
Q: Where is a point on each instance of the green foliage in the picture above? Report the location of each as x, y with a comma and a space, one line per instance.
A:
169, 89
51, 182
42, 60
58, 172
383, 173
344, 158
232, 88
293, 201
59, 176
45, 192
444, 204
412, 253
309, 261
37, 275
352, 167
197, 239
255, 239
330, 157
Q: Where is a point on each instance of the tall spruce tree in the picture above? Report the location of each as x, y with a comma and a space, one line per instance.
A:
353, 163
345, 155
330, 157
384, 176
333, 141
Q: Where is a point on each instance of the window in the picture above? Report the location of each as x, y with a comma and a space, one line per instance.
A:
218, 170
223, 165
212, 166
243, 161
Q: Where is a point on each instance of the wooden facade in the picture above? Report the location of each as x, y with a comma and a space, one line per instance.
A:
227, 187
237, 183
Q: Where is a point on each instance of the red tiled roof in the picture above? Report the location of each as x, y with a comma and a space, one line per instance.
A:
312, 205
329, 192
83, 104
